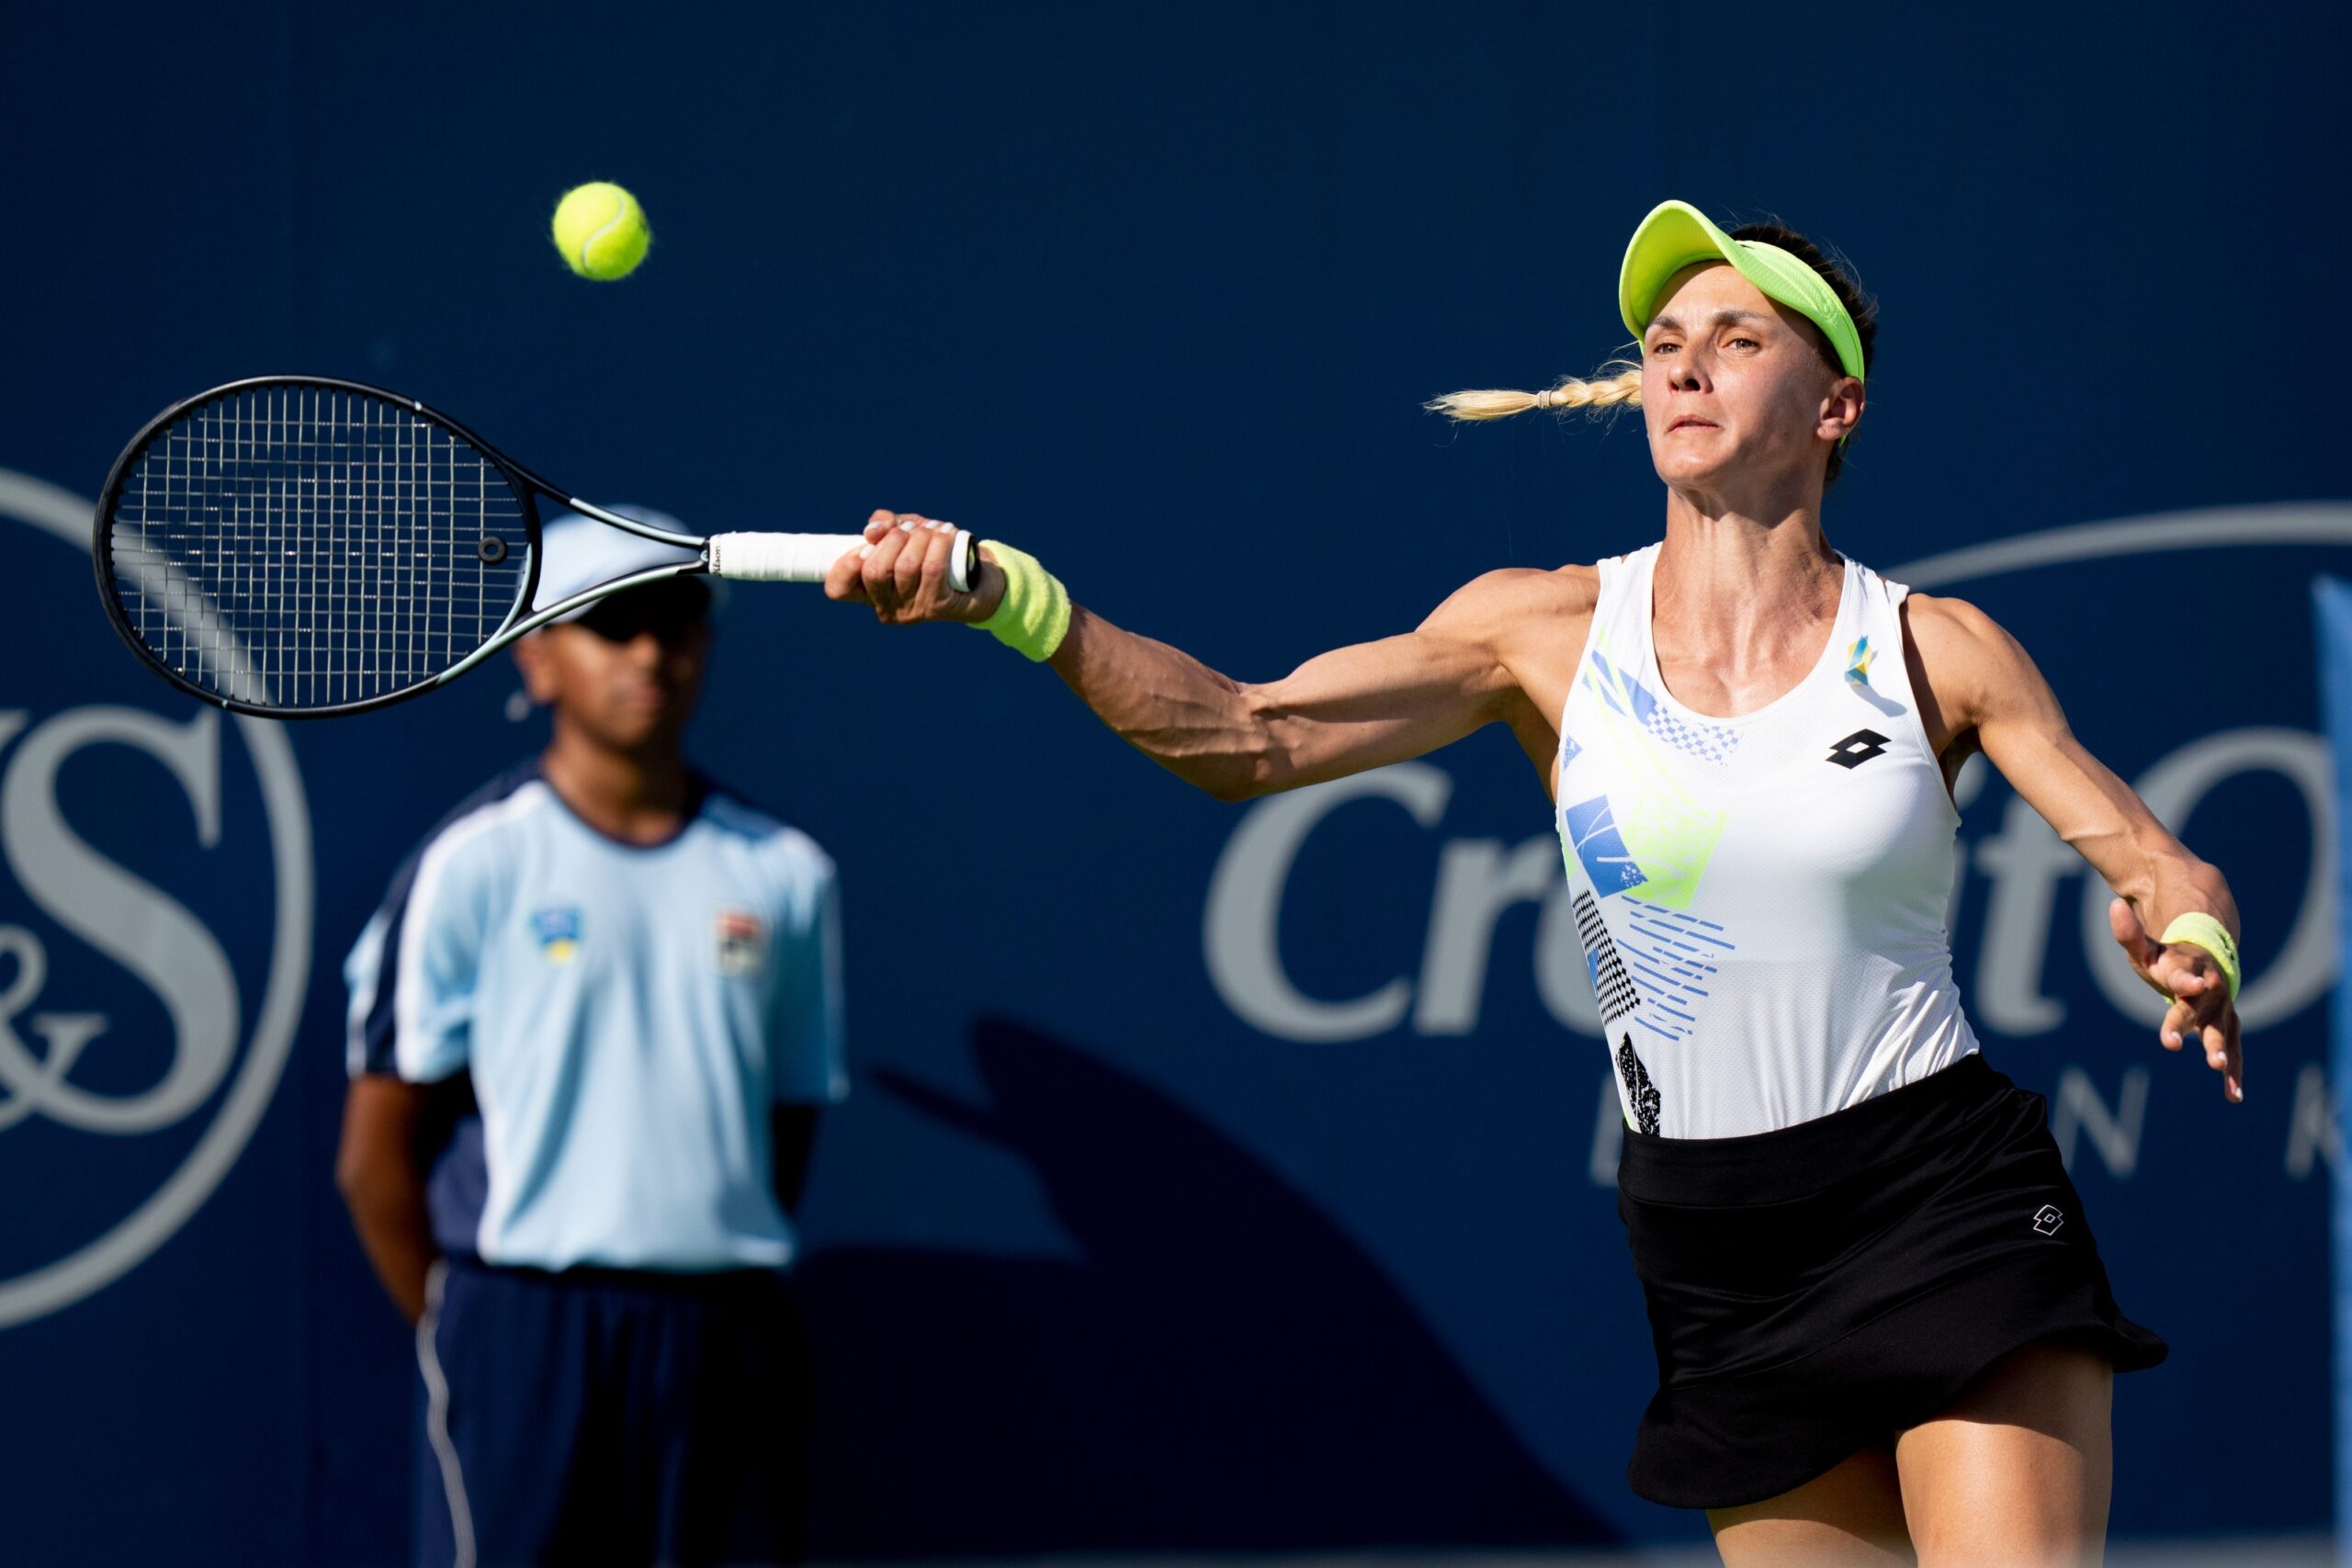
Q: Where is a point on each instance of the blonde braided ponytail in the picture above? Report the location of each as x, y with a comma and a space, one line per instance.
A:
1617, 382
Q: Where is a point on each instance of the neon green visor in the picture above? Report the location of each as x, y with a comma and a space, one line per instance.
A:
1675, 233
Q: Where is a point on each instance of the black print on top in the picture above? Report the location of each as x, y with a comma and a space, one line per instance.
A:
1858, 748
1611, 986
1638, 1089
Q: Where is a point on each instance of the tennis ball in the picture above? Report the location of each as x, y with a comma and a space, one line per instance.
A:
601, 231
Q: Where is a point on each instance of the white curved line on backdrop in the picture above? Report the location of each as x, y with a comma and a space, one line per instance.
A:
2211, 528
147, 1228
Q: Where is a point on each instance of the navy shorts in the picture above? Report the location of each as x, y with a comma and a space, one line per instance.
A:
606, 1417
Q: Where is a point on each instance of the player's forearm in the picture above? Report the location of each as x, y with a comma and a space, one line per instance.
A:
1203, 727
1340, 713
388, 1209
2105, 821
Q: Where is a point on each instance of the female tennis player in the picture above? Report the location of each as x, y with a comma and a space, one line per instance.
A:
1882, 1324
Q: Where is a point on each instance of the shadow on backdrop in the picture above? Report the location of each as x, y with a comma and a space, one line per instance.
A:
1282, 1392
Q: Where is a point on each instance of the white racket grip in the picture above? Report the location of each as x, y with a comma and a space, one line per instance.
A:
806, 558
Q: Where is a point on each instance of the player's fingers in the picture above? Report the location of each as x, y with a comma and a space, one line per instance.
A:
2216, 1041
877, 571
2217, 1021
2179, 1019
2183, 974
2184, 962
883, 518
2233, 1074
2177, 982
845, 580
939, 552
906, 569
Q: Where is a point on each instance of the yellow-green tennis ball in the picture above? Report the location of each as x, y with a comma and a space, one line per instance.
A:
601, 231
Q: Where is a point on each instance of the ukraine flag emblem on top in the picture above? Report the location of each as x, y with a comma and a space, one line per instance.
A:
558, 930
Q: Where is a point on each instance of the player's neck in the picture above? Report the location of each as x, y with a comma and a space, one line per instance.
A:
637, 798
1745, 555
1748, 586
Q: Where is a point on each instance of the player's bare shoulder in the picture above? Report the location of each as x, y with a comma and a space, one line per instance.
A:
1951, 625
1527, 626
1516, 608
1962, 659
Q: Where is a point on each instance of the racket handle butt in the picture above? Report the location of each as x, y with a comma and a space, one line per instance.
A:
964, 563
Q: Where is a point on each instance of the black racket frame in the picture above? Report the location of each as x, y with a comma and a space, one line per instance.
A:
527, 487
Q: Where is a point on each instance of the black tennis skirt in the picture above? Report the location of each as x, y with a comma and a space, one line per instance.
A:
1817, 1289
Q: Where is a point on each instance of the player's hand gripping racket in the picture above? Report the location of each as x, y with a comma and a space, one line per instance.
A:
297, 547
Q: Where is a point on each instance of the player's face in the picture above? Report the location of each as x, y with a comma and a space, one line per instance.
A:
1734, 385
628, 673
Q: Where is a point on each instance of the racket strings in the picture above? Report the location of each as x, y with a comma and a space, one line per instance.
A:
297, 547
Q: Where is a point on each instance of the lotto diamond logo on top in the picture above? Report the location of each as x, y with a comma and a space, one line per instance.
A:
1858, 748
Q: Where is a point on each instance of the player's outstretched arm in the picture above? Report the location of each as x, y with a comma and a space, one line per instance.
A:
1340, 713
1984, 680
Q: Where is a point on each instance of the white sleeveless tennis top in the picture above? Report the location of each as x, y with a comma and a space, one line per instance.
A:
1762, 900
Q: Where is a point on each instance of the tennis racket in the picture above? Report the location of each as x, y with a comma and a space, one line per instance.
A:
297, 547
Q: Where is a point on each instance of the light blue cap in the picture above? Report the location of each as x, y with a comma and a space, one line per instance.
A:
576, 553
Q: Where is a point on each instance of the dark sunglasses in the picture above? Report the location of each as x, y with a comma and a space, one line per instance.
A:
669, 610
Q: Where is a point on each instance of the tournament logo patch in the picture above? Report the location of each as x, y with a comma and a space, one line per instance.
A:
742, 942
556, 927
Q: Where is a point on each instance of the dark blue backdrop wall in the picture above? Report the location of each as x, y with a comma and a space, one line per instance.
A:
1213, 1179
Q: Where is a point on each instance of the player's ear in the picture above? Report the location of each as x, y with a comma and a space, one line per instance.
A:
534, 660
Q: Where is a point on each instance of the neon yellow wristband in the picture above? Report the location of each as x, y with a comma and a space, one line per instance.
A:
2199, 928
1033, 615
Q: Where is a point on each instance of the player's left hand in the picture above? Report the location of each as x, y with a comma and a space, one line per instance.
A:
2189, 978
903, 572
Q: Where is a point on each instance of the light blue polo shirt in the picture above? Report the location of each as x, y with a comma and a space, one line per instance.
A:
629, 1016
